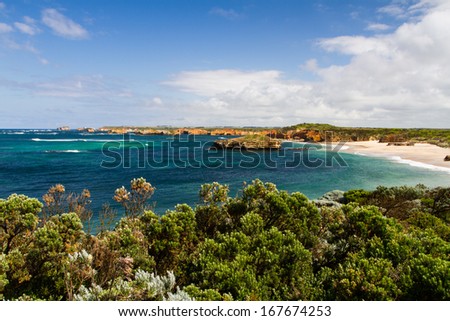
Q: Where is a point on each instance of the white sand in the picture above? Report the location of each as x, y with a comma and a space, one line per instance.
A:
422, 155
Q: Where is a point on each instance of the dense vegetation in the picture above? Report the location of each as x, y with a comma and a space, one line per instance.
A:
265, 244
440, 137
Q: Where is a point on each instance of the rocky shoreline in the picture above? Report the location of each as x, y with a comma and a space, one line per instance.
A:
251, 142
313, 133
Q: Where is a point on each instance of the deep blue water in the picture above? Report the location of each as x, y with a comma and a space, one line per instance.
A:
31, 161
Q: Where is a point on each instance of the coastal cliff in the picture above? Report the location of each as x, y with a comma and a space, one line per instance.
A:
303, 133
249, 142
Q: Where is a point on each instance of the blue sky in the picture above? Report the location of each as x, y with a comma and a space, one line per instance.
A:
220, 63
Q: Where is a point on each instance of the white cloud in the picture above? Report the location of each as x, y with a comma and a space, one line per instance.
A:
356, 45
43, 61
378, 27
399, 78
157, 101
29, 20
225, 13
406, 9
241, 97
310, 65
24, 28
393, 10
62, 25
77, 87
4, 28
26, 46
28, 26
213, 82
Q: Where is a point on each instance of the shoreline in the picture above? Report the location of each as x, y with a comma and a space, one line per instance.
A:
420, 155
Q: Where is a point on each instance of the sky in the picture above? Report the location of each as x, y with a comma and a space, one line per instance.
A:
92, 63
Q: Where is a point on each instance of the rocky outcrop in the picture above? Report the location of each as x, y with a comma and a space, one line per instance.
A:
317, 136
333, 198
392, 138
63, 128
400, 144
447, 158
86, 129
253, 142
191, 131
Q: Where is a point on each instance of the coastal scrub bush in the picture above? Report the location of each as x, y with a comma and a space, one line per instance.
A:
255, 264
428, 221
57, 201
288, 212
3, 276
173, 240
439, 204
263, 244
212, 216
135, 201
430, 278
48, 256
18, 219
368, 279
132, 245
359, 196
145, 286
397, 201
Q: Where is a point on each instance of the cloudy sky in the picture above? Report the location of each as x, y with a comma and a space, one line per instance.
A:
199, 63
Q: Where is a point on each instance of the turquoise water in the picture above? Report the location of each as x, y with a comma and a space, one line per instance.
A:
33, 160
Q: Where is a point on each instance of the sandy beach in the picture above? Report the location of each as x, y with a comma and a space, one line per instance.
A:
422, 155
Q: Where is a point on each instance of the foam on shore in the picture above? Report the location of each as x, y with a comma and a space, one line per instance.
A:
421, 155
400, 160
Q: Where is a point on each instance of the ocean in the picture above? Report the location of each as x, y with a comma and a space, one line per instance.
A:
33, 160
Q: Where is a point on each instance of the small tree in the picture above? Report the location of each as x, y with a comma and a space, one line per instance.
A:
18, 219
57, 202
212, 217
135, 201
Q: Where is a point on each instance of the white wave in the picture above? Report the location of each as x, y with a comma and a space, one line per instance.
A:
109, 140
28, 131
64, 151
400, 160
333, 147
45, 133
79, 140
58, 140
39, 130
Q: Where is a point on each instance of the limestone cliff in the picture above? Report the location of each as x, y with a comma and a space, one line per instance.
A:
249, 142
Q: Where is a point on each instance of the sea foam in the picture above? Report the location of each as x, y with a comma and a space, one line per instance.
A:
79, 140
64, 151
58, 140
400, 160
